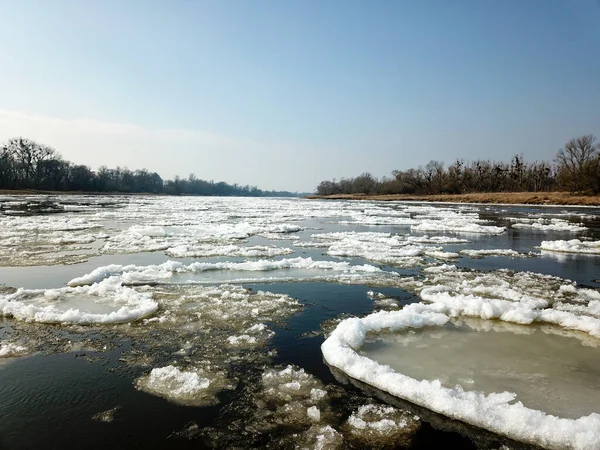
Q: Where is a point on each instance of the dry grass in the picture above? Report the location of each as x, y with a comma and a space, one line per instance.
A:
514, 198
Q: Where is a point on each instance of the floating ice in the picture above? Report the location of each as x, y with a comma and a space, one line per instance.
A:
439, 240
495, 252
22, 247
403, 251
10, 349
106, 416
157, 273
238, 311
381, 426
256, 334
514, 297
495, 412
291, 396
207, 250
46, 224
100, 303
522, 298
544, 225
572, 246
187, 387
313, 413
381, 301
193, 239
322, 437
457, 227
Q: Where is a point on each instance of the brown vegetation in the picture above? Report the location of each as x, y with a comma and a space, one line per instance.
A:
513, 198
576, 168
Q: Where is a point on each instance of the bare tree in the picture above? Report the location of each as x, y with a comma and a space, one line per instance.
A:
573, 159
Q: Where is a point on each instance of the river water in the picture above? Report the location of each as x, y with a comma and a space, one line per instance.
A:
164, 322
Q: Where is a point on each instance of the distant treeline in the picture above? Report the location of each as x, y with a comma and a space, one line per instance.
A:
25, 164
576, 168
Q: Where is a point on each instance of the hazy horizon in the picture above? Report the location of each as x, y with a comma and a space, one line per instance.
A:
283, 95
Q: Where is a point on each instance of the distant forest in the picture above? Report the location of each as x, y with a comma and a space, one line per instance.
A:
25, 164
576, 168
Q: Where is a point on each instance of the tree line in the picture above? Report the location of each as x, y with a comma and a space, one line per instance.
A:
576, 168
26, 164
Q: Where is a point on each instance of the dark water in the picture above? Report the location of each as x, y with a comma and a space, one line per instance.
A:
47, 400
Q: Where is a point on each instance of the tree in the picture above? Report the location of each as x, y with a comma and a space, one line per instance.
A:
576, 163
434, 177
28, 158
81, 178
365, 183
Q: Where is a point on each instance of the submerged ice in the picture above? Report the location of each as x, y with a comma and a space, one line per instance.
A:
547, 371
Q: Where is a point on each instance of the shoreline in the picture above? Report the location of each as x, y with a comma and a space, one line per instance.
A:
496, 198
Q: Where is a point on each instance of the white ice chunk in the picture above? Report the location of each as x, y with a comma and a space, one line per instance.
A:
457, 226
545, 225
495, 411
100, 303
572, 246
313, 413
10, 349
141, 274
174, 384
494, 252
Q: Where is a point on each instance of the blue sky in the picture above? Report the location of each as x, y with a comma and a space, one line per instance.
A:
283, 94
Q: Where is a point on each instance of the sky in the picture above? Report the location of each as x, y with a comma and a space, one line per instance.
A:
283, 94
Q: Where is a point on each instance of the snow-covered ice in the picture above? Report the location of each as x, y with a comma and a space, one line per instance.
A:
381, 426
521, 298
170, 270
495, 252
107, 302
572, 246
11, 349
191, 386
545, 225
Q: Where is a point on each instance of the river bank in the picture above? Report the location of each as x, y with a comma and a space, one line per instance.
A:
513, 198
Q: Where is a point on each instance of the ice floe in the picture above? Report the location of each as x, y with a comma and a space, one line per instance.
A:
196, 386
207, 250
495, 412
386, 248
132, 274
193, 240
381, 426
10, 349
457, 226
545, 225
101, 303
513, 297
572, 246
519, 297
495, 252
